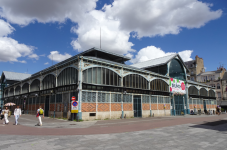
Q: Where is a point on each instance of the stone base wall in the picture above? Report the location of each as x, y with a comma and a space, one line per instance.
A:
106, 115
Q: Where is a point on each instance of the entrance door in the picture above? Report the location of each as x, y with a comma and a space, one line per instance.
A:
47, 103
137, 106
65, 104
179, 105
205, 105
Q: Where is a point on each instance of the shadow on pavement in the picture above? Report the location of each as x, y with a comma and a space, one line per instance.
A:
219, 125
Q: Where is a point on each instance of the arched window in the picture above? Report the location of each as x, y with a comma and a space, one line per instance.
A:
25, 88
17, 90
135, 81
35, 86
49, 82
159, 85
11, 92
193, 90
6, 93
68, 76
211, 93
176, 70
99, 75
203, 92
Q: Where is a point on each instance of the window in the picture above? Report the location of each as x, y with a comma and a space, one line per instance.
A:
103, 97
25, 88
218, 86
176, 70
49, 81
127, 98
192, 78
89, 97
146, 99
135, 81
203, 92
159, 85
99, 75
115, 98
35, 85
58, 98
219, 95
193, 90
68, 76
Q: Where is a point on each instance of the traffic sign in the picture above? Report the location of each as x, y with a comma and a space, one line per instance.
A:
74, 104
73, 98
74, 107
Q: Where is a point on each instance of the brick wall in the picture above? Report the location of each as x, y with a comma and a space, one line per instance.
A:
88, 107
146, 106
127, 106
161, 106
52, 107
115, 106
103, 106
167, 106
153, 106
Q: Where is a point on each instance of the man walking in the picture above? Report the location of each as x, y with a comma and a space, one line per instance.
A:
40, 112
17, 113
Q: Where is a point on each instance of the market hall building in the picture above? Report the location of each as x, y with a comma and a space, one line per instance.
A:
105, 87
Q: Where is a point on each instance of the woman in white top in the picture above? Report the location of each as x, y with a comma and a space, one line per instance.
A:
6, 113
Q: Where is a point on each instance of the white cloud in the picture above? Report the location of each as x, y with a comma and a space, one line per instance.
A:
155, 17
186, 55
118, 20
5, 28
57, 57
11, 50
152, 52
24, 12
46, 63
34, 56
112, 39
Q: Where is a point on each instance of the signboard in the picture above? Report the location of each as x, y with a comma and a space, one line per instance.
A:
73, 98
74, 107
177, 86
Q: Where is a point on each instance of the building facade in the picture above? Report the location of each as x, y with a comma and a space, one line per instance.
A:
105, 87
195, 67
214, 79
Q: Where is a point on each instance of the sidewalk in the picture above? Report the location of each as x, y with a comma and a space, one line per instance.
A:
62, 127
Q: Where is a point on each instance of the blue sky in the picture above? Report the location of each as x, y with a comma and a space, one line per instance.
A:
32, 32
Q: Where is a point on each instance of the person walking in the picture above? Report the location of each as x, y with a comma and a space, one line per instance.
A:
40, 112
6, 114
17, 113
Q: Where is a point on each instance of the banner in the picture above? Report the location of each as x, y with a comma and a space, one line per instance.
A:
177, 86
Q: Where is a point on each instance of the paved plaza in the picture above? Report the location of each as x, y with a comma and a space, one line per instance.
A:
204, 132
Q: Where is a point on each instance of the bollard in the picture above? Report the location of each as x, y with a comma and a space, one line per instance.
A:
54, 113
125, 116
77, 118
153, 114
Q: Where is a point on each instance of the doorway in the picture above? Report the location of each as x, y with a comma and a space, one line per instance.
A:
137, 106
47, 103
179, 105
205, 106
65, 104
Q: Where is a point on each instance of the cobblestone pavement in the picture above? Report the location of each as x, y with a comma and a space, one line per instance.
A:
182, 137
199, 135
